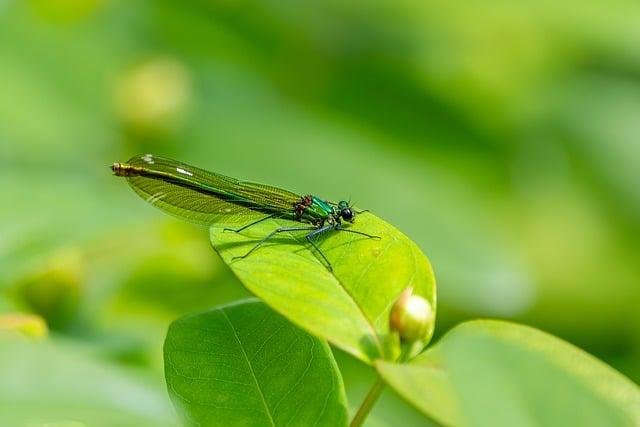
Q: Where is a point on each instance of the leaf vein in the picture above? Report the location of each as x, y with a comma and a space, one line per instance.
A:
235, 333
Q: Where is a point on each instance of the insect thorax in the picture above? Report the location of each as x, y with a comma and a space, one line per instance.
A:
313, 210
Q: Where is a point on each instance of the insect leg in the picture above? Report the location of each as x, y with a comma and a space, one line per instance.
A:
273, 233
316, 232
338, 228
237, 230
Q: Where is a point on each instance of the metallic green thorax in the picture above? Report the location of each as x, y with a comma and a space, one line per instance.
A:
314, 210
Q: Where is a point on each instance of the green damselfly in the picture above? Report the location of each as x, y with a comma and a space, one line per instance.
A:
211, 199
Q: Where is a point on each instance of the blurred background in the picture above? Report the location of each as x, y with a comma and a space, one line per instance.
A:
501, 136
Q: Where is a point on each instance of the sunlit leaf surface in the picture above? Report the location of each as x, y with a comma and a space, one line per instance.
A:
349, 306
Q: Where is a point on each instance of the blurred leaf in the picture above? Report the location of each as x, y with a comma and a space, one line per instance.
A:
494, 373
64, 11
426, 385
348, 306
599, 114
52, 382
243, 364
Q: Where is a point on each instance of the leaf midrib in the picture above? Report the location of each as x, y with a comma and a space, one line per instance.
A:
253, 374
368, 322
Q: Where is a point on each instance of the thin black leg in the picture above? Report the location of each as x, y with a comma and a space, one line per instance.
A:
249, 225
316, 231
273, 233
313, 234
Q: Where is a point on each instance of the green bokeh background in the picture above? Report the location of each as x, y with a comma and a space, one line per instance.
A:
503, 137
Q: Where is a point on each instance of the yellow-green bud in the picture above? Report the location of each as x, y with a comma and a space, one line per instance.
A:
154, 95
28, 324
411, 316
54, 290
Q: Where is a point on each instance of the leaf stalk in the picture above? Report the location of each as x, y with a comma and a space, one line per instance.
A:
367, 404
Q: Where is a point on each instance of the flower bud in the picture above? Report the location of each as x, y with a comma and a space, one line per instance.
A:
154, 95
411, 316
54, 290
27, 324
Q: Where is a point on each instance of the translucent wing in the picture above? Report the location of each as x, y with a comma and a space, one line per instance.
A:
203, 197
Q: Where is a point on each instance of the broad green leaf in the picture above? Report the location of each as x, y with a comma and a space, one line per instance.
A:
426, 384
245, 365
53, 382
348, 306
495, 373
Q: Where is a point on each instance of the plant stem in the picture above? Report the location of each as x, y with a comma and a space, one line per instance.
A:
404, 352
368, 403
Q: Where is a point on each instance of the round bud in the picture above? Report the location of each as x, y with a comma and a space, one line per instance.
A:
411, 316
29, 325
154, 95
54, 290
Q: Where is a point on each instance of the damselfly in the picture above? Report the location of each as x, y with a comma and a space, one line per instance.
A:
211, 199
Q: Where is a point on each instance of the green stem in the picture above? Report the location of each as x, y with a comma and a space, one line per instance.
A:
368, 403
405, 351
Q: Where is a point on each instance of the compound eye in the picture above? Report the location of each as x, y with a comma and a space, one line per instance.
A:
347, 214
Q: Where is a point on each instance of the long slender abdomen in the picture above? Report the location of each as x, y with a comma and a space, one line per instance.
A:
125, 169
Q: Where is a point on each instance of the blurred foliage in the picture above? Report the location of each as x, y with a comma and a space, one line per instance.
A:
501, 137
497, 373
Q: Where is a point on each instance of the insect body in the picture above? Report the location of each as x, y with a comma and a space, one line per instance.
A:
211, 199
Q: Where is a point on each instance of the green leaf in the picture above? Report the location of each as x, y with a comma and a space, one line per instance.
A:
494, 373
426, 384
53, 382
348, 306
243, 364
